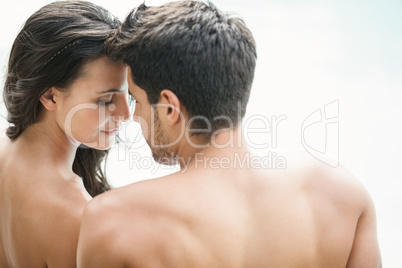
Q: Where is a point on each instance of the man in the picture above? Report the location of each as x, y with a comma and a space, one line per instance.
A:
190, 71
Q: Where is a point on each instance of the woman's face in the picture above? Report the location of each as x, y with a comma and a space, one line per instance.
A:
91, 110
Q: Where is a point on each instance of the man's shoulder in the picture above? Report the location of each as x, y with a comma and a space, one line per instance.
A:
135, 202
100, 230
125, 223
125, 205
336, 184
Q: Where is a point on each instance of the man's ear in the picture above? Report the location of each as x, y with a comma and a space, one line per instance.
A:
171, 106
48, 99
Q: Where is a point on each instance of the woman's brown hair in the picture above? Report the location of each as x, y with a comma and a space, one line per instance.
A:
51, 50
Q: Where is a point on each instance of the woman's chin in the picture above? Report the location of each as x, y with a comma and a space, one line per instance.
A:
99, 145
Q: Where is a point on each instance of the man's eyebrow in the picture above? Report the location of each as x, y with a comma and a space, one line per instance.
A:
112, 90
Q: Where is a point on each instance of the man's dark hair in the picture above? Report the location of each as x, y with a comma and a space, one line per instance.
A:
206, 57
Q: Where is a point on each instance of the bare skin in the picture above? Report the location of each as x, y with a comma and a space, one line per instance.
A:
41, 199
40, 205
307, 215
313, 217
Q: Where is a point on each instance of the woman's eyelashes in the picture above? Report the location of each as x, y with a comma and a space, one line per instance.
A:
105, 102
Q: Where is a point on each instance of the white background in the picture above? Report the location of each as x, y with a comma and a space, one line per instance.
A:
310, 53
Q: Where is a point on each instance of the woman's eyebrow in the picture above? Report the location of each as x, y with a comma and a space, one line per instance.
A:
112, 90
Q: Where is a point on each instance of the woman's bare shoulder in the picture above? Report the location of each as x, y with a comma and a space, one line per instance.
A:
61, 220
48, 208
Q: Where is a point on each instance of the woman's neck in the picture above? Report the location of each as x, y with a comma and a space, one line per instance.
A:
45, 141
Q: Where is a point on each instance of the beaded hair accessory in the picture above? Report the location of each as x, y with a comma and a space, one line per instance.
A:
57, 53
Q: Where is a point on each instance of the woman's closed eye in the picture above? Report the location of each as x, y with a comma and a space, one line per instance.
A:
105, 102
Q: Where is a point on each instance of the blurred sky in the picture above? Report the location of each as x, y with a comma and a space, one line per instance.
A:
347, 54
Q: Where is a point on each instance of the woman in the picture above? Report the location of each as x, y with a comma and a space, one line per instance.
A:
65, 99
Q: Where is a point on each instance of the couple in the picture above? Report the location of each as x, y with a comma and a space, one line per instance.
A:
188, 65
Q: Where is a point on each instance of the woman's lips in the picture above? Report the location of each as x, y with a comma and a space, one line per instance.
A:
111, 131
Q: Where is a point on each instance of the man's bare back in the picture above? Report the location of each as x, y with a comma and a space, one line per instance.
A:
304, 216
190, 71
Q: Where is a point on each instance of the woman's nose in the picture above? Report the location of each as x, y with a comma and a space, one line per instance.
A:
121, 112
